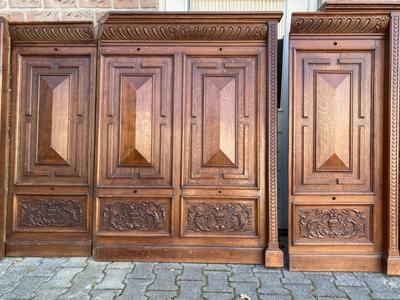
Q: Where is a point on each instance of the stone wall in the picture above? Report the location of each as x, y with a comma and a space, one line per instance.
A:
68, 10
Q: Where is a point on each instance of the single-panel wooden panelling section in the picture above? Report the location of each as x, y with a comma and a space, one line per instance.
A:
51, 183
336, 136
391, 261
4, 138
186, 164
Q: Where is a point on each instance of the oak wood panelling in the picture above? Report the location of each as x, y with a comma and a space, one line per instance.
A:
134, 216
335, 122
181, 164
4, 137
332, 224
135, 145
51, 178
220, 217
336, 142
42, 213
221, 122
53, 120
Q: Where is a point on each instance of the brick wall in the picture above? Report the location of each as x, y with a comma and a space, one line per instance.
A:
68, 10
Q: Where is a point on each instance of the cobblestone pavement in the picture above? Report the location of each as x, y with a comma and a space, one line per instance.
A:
83, 278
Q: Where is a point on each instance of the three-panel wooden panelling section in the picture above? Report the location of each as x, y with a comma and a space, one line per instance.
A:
156, 140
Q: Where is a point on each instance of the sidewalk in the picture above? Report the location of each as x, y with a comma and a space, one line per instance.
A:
84, 278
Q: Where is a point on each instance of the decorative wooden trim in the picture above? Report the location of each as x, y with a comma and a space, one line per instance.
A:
273, 255
4, 124
331, 23
370, 5
188, 27
393, 193
52, 32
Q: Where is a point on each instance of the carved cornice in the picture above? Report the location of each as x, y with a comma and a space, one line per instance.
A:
52, 32
187, 27
324, 23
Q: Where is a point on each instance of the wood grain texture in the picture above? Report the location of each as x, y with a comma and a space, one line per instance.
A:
126, 27
52, 32
392, 191
4, 125
344, 23
336, 157
182, 116
51, 179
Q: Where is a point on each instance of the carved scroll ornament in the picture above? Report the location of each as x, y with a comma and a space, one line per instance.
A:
184, 32
219, 217
51, 213
332, 24
52, 32
134, 216
333, 223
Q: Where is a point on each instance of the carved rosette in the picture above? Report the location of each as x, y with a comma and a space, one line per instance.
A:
333, 223
332, 24
51, 213
219, 217
184, 32
134, 216
52, 32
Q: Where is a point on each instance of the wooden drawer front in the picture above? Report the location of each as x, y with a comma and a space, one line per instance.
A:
220, 217
134, 216
220, 122
135, 146
50, 213
53, 105
332, 224
333, 122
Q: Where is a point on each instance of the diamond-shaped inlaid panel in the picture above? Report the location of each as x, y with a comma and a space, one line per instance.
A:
220, 115
136, 123
53, 138
54, 93
333, 121
135, 146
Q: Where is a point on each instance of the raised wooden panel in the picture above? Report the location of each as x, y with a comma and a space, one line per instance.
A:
333, 115
332, 224
219, 217
45, 213
220, 122
335, 126
134, 216
136, 121
53, 113
54, 101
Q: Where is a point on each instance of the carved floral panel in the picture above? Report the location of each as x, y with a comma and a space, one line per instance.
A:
221, 217
327, 224
135, 215
37, 213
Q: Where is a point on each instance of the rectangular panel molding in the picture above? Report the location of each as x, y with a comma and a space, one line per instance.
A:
182, 160
338, 152
50, 199
154, 140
